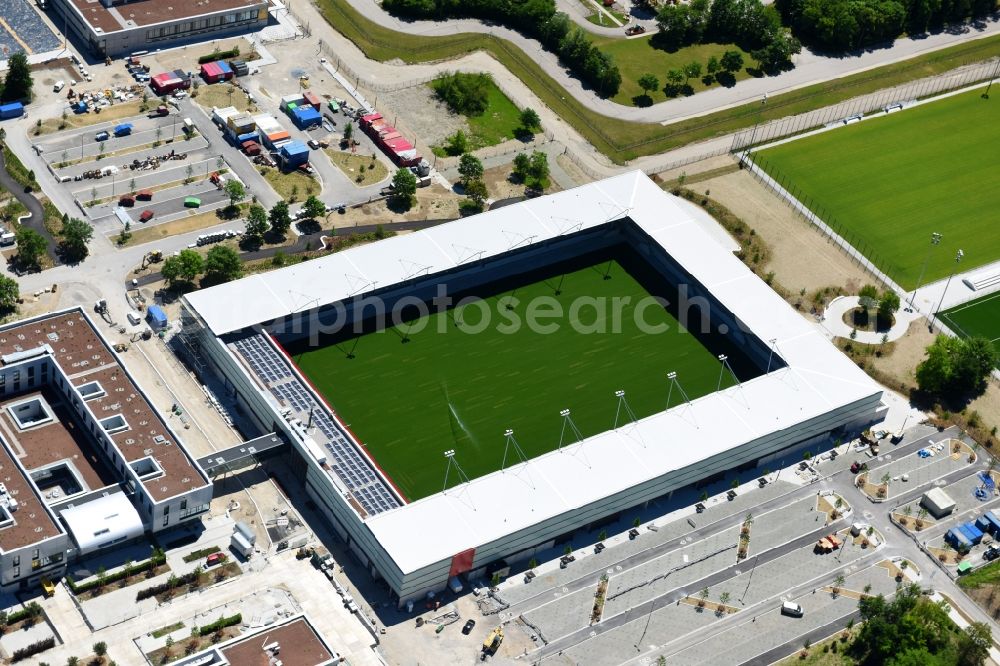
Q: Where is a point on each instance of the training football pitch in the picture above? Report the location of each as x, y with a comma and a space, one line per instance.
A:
888, 183
978, 318
446, 381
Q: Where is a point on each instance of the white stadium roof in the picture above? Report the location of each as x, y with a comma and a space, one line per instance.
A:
817, 379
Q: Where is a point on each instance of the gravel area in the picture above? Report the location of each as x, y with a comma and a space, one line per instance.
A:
417, 111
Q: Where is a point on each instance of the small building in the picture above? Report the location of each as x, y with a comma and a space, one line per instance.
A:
272, 138
221, 116
11, 110
225, 68
212, 73
168, 82
293, 98
156, 317
937, 502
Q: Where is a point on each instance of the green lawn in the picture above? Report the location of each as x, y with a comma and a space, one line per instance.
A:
636, 57
451, 386
978, 318
887, 184
496, 124
620, 140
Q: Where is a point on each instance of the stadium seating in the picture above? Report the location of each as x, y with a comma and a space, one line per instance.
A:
354, 469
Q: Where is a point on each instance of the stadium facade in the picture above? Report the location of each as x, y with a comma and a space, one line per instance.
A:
807, 392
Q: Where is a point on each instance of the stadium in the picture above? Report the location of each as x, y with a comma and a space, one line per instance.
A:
477, 391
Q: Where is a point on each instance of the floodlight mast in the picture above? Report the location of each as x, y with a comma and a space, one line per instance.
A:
770, 356
672, 376
958, 260
568, 423
622, 403
511, 443
450, 455
935, 240
724, 360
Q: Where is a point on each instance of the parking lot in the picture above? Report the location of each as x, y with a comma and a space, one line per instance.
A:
76, 144
918, 468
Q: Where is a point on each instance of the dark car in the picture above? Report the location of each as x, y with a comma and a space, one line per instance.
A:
635, 30
467, 629
991, 553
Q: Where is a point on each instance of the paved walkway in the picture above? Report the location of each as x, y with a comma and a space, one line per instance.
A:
833, 321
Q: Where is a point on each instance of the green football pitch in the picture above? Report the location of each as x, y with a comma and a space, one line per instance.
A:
888, 183
447, 381
978, 318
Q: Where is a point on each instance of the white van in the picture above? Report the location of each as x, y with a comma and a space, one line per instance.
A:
58, 86
791, 609
134, 319
7, 238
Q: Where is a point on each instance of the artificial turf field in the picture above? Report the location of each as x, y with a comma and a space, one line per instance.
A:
978, 318
448, 388
889, 183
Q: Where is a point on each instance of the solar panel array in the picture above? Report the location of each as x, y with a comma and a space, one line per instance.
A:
348, 463
263, 359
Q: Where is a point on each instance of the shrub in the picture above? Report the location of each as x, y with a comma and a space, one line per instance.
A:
33, 649
173, 582
219, 55
220, 624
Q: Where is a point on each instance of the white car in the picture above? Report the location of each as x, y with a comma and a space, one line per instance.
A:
180, 94
791, 609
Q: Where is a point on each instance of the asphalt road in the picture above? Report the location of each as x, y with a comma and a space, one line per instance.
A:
791, 647
82, 141
196, 149
34, 206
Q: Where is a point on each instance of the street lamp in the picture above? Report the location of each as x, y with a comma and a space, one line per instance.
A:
935, 240
958, 260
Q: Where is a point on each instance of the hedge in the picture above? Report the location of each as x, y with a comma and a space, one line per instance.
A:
219, 55
33, 649
31, 610
221, 623
157, 559
173, 582
198, 554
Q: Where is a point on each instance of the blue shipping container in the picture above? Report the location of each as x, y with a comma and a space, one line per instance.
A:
993, 521
957, 539
249, 136
306, 116
224, 66
11, 110
983, 524
975, 534
156, 316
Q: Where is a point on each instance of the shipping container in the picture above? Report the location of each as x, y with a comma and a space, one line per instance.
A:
306, 116
11, 110
312, 99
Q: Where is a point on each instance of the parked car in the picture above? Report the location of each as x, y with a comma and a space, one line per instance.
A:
635, 30
215, 558
313, 143
791, 609
180, 94
467, 629
101, 136
146, 216
991, 553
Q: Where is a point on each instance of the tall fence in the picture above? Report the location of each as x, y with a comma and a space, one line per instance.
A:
962, 77
855, 246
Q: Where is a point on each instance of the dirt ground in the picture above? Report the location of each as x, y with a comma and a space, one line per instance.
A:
691, 171
572, 170
434, 202
419, 112
909, 351
186, 57
801, 257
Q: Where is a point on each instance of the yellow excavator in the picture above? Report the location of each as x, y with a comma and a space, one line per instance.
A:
492, 643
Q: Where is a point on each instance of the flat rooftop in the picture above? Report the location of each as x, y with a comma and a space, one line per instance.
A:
149, 12
815, 380
32, 522
83, 355
299, 645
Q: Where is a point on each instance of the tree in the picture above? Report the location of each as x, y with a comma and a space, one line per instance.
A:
73, 661
732, 61
538, 171
457, 144
888, 305
235, 191
183, 267
648, 83
838, 582
712, 66
31, 246
279, 218
222, 264
348, 133
521, 165
956, 367
530, 120
75, 235
675, 78
100, 648
313, 207
974, 645
467, 94
681, 25
470, 168
9, 293
17, 84
404, 188
256, 225
477, 194
692, 70
724, 598
868, 297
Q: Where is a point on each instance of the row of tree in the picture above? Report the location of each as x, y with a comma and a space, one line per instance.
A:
221, 264
846, 25
536, 18
751, 25
678, 79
